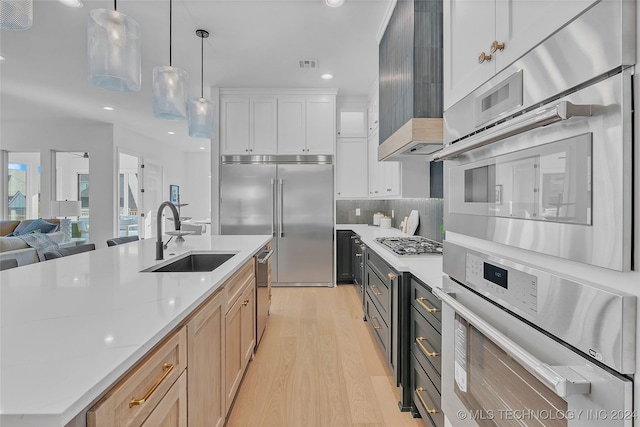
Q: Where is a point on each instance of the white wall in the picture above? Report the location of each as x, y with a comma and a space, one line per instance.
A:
197, 189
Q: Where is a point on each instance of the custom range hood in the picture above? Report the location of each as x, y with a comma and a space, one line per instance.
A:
410, 81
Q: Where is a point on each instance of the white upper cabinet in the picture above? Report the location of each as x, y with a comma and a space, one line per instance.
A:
374, 108
320, 124
291, 125
482, 37
306, 125
248, 125
352, 120
351, 168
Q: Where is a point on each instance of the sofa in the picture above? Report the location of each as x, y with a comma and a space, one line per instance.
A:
16, 248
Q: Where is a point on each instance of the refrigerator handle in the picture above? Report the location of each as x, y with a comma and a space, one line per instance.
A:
281, 206
274, 207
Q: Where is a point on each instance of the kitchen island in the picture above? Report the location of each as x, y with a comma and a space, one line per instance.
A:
71, 327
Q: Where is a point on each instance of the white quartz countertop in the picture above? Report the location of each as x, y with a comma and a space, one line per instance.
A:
69, 328
427, 268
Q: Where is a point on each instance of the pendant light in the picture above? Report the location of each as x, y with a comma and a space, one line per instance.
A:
113, 50
16, 14
200, 109
169, 87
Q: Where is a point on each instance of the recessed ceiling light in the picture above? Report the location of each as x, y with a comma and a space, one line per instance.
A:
108, 108
202, 148
171, 132
334, 3
72, 3
326, 76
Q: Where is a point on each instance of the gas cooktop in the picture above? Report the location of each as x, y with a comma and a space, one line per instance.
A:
411, 246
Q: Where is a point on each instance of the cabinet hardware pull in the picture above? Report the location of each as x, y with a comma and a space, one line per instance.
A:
245, 302
375, 290
484, 57
431, 310
376, 325
388, 189
391, 276
424, 349
419, 391
358, 255
496, 46
354, 237
167, 368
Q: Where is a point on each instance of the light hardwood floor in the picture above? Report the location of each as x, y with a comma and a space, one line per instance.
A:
317, 365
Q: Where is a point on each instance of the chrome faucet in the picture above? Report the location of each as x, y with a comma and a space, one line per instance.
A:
176, 221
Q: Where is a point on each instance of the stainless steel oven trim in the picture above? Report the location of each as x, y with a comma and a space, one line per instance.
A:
610, 393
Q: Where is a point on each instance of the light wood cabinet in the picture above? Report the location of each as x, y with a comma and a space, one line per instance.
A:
172, 409
240, 336
205, 336
472, 27
248, 125
137, 396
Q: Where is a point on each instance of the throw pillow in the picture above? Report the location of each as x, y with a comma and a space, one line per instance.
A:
38, 225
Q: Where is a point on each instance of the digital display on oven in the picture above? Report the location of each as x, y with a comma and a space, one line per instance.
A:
496, 275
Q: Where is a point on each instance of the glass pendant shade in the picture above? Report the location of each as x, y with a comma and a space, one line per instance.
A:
169, 93
200, 117
113, 51
16, 14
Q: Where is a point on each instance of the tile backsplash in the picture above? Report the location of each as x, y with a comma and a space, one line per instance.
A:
430, 211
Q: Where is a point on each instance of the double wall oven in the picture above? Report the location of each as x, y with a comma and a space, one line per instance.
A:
540, 158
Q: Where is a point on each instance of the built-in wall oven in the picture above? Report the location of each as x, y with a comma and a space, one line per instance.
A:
540, 158
525, 347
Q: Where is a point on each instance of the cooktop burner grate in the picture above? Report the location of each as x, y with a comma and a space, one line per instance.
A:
415, 245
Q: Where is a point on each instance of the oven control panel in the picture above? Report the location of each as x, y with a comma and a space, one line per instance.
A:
498, 282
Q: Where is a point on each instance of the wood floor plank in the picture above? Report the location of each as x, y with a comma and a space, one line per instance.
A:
317, 365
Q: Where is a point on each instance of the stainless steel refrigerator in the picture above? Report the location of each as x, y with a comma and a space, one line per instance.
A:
290, 198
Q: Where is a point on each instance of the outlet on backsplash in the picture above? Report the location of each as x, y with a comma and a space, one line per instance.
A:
393, 213
357, 211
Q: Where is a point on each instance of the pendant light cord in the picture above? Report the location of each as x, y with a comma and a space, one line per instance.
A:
115, 5
170, 28
202, 67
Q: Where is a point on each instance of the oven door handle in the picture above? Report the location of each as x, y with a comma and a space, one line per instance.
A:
562, 380
534, 119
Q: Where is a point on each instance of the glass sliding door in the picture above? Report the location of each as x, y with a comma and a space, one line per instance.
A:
128, 196
23, 186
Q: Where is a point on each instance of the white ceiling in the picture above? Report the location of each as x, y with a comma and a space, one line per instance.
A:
253, 43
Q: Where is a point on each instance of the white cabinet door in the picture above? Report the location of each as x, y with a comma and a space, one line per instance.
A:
291, 125
351, 168
523, 24
352, 121
320, 125
374, 172
234, 125
469, 30
264, 126
372, 112
390, 182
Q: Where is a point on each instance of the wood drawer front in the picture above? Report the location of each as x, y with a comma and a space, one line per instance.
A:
426, 345
377, 325
156, 372
425, 396
236, 283
427, 304
172, 409
380, 294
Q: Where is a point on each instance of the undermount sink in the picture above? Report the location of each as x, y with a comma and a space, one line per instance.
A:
193, 263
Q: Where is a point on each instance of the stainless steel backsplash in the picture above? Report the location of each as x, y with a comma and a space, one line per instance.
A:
430, 211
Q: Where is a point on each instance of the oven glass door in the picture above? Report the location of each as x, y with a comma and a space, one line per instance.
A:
496, 389
551, 182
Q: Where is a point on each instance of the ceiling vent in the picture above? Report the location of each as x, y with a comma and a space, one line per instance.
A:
308, 63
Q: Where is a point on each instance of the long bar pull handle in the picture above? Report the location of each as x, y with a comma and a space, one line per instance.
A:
534, 119
431, 310
274, 206
555, 378
424, 349
281, 207
419, 391
264, 259
167, 367
376, 325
